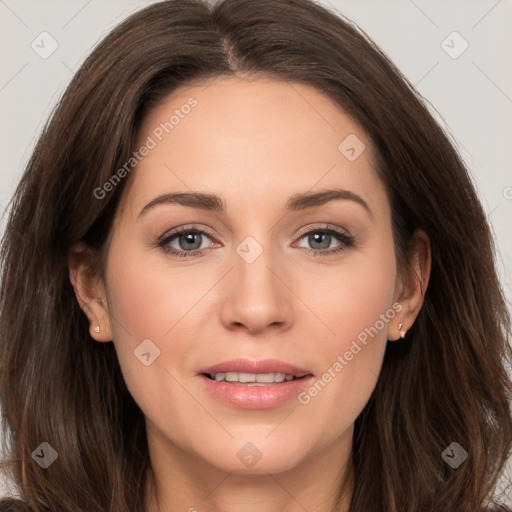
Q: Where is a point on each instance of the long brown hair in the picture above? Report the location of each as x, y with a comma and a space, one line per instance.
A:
447, 383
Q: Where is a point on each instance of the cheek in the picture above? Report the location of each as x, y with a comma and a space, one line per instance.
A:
350, 297
356, 308
148, 302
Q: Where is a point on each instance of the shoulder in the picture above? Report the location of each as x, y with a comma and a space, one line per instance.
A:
13, 505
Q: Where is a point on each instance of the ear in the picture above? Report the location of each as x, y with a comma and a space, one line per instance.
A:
90, 291
411, 285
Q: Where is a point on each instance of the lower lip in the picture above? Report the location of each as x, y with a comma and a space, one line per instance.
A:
255, 397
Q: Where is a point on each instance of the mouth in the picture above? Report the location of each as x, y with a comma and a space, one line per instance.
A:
252, 379
247, 371
248, 384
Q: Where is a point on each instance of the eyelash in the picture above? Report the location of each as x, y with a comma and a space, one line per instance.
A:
346, 240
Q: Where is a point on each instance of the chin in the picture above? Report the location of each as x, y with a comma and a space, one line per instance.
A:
257, 454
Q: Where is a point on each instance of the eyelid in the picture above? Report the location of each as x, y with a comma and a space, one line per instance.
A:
325, 226
185, 229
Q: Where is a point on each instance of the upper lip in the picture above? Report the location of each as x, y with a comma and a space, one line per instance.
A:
259, 367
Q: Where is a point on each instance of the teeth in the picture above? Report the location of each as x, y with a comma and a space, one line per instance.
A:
261, 378
265, 378
245, 377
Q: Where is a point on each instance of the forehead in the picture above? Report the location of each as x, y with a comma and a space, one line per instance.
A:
251, 139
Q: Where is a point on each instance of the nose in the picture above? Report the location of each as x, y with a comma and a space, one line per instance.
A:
256, 295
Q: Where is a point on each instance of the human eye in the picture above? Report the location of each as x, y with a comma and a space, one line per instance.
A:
190, 241
185, 242
321, 240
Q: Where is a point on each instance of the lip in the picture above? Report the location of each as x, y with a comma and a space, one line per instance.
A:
249, 366
247, 396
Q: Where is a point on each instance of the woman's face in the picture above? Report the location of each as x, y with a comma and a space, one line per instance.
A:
254, 287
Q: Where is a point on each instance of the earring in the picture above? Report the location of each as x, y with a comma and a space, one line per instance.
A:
97, 328
402, 333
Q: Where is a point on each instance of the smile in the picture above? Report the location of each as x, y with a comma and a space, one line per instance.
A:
248, 384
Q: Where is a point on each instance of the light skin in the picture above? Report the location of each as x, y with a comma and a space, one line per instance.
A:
253, 143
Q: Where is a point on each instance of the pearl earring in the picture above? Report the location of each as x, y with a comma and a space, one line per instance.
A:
97, 328
402, 333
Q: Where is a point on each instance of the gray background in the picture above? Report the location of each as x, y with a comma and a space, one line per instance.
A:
470, 95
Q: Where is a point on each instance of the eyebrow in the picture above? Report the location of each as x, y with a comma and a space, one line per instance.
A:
297, 202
